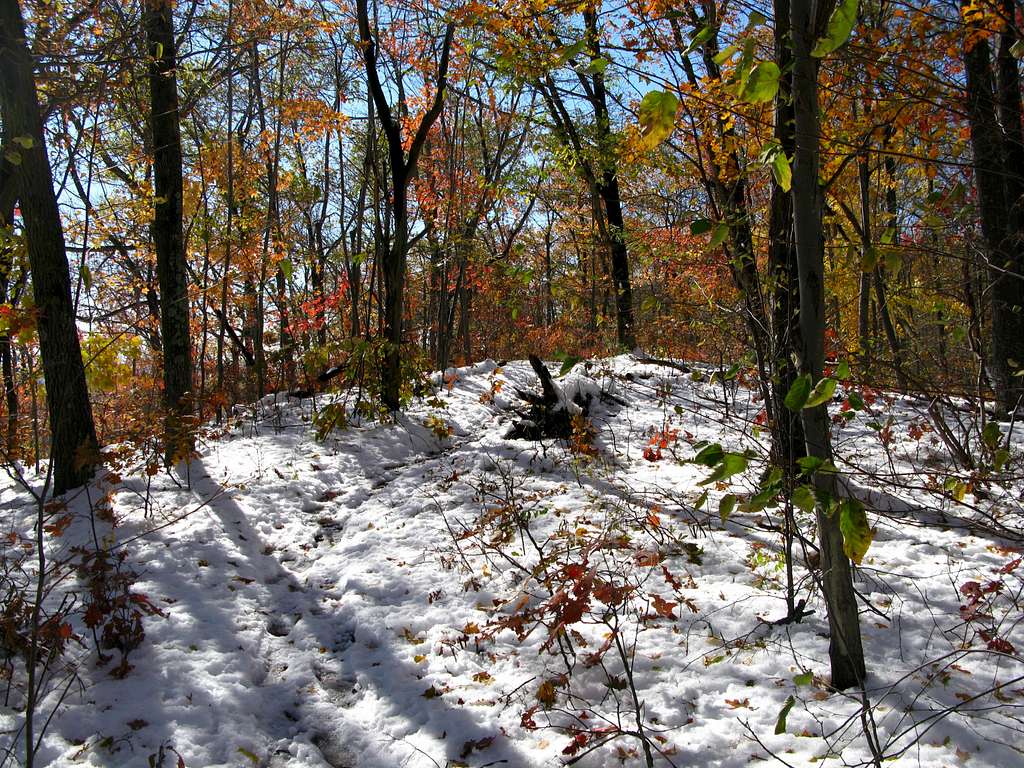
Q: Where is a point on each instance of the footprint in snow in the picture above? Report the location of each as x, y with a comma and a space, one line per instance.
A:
279, 626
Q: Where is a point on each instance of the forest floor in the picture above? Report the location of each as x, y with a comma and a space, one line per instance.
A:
392, 595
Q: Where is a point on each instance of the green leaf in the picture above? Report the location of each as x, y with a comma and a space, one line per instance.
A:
810, 464
650, 304
755, 19
505, 63
869, 260
843, 370
25, 142
798, 393
803, 498
246, 753
782, 171
772, 155
709, 455
805, 679
893, 260
840, 25
731, 464
13, 157
700, 226
991, 434
725, 55
702, 36
657, 116
571, 51
746, 60
856, 401
721, 232
726, 506
857, 534
760, 500
999, 459
86, 274
567, 363
286, 267
597, 66
159, 51
761, 84
780, 723
821, 393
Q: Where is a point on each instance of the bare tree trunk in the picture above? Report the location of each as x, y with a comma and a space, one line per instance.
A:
786, 426
402, 168
73, 433
864, 298
999, 209
168, 237
226, 276
8, 293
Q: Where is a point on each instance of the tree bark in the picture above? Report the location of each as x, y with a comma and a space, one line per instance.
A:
402, 168
786, 428
998, 211
8, 198
73, 433
611, 199
168, 238
845, 651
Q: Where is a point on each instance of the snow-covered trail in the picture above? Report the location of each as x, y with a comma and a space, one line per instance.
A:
300, 591
304, 568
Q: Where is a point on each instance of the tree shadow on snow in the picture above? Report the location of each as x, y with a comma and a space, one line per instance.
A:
346, 671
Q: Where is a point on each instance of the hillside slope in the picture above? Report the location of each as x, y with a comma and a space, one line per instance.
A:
431, 593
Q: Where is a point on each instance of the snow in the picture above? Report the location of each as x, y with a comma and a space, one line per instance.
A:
314, 592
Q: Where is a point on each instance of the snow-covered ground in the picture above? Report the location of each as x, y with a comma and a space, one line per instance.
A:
353, 602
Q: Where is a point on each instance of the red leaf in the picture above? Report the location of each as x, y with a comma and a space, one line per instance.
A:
997, 643
647, 559
1011, 566
663, 607
578, 742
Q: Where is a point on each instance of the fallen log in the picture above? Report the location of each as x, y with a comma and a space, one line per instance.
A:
549, 415
646, 359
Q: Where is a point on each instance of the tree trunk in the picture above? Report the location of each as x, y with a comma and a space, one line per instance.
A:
402, 167
608, 188
726, 185
10, 294
997, 212
787, 432
864, 297
73, 434
168, 238
845, 651
394, 297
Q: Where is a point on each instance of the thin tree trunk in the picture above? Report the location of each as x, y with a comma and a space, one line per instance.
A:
10, 294
786, 426
167, 231
864, 298
226, 276
845, 651
401, 167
